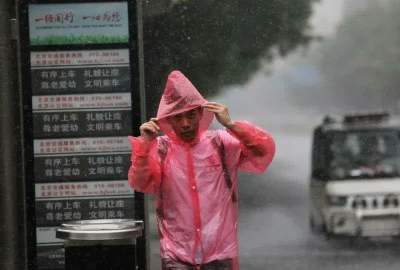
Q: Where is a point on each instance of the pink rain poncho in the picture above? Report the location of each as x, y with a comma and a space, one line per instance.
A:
195, 183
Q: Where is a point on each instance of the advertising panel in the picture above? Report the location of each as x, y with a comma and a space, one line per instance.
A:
74, 159
78, 23
91, 71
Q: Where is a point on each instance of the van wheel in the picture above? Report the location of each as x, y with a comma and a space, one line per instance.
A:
315, 227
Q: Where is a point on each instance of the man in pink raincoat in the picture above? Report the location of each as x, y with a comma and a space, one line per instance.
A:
193, 173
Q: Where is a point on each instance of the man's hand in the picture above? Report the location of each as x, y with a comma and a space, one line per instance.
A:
221, 113
150, 129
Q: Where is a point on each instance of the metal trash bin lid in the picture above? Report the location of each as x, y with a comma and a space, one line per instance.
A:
100, 229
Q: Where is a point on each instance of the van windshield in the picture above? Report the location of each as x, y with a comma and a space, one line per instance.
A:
364, 154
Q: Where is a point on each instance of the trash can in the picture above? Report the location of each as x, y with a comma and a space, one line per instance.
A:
102, 244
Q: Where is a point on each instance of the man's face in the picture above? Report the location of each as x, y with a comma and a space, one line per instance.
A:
186, 124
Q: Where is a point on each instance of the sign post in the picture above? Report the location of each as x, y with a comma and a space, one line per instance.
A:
82, 97
12, 229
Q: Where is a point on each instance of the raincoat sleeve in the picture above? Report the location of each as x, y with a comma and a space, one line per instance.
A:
144, 173
257, 147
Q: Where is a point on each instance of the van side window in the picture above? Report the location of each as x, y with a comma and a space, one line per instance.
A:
319, 156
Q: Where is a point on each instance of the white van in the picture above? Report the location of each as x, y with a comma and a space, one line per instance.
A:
355, 178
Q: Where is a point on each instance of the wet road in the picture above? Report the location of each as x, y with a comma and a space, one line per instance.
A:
274, 231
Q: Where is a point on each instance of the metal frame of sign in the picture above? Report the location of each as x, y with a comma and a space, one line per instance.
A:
137, 109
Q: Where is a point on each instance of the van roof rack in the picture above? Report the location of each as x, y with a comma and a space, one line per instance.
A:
376, 117
328, 119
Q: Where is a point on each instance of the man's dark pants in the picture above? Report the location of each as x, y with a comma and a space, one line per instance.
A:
168, 264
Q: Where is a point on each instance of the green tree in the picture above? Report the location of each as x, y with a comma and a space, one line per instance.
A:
217, 43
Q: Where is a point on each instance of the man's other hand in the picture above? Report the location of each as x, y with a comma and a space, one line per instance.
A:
221, 113
150, 129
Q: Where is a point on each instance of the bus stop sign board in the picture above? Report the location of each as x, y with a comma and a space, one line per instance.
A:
80, 83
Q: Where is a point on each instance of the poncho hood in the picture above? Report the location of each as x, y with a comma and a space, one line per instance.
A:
180, 96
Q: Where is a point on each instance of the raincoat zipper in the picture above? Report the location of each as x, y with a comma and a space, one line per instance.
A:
195, 201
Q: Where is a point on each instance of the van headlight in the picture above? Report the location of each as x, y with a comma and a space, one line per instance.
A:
337, 200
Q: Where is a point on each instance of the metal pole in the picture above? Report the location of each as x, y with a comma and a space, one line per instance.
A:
143, 254
12, 210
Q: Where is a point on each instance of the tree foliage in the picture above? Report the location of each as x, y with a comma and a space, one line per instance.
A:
217, 43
